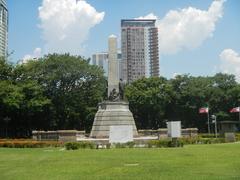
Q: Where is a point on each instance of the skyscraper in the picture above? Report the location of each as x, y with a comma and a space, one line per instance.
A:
140, 56
3, 28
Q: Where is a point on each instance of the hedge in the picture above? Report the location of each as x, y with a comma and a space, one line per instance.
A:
21, 143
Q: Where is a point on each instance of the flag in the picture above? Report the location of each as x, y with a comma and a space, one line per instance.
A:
236, 109
203, 110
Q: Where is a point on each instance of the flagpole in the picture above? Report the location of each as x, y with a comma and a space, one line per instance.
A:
209, 123
239, 116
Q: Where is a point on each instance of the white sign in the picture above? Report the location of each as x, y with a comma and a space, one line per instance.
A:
174, 129
120, 134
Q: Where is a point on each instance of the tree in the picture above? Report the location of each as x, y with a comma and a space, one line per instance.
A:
195, 92
148, 99
72, 85
5, 69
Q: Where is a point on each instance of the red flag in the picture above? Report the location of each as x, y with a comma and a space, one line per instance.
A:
236, 109
203, 110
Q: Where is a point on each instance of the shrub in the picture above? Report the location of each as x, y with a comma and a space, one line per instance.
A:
120, 145
165, 143
237, 136
175, 143
108, 145
210, 140
72, 145
26, 143
78, 145
130, 144
190, 140
204, 135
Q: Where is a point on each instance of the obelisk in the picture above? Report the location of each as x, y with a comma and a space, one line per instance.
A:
113, 79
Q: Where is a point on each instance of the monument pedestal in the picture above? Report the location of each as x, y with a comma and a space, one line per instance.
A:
112, 114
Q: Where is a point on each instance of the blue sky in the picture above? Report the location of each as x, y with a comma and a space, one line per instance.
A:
218, 48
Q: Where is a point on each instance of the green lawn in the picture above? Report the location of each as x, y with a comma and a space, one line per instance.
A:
220, 161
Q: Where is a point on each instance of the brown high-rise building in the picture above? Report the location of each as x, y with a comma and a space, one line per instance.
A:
140, 57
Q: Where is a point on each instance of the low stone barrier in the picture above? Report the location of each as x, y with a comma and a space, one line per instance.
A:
162, 133
60, 135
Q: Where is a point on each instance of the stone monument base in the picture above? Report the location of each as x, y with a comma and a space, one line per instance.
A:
112, 114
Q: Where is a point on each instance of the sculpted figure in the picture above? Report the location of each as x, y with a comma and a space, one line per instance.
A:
121, 89
114, 95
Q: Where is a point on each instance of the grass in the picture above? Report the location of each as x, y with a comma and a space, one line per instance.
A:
219, 161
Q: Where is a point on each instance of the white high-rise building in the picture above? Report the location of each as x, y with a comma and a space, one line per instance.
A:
3, 28
139, 42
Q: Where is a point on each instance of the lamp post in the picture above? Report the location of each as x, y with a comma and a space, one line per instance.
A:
215, 121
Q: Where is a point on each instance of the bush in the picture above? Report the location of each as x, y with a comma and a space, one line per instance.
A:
205, 135
201, 140
26, 143
78, 145
129, 144
175, 143
72, 146
120, 145
108, 145
211, 140
190, 140
237, 136
165, 143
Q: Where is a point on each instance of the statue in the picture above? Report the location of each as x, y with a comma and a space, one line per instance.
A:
114, 95
114, 111
121, 89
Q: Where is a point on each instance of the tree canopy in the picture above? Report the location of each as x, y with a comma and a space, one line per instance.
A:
154, 101
55, 92
60, 91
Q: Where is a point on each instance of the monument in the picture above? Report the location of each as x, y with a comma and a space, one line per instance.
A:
174, 129
114, 112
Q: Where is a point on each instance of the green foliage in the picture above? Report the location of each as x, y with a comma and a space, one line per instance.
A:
206, 135
72, 146
60, 91
155, 100
237, 136
55, 92
148, 99
25, 143
130, 144
120, 145
165, 143
5, 70
79, 145
202, 140
124, 145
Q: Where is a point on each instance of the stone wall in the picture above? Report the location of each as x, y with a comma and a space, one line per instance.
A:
162, 133
60, 135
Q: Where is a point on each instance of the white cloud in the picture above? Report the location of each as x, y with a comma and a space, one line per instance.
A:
187, 28
149, 16
65, 24
230, 62
175, 75
37, 53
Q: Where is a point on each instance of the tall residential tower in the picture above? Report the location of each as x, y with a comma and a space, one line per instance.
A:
3, 28
140, 56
